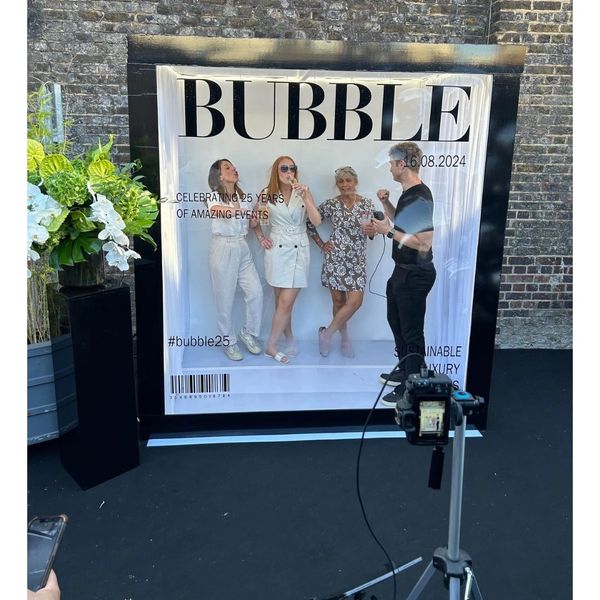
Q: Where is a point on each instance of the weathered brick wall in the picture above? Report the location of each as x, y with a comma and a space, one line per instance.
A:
82, 44
536, 288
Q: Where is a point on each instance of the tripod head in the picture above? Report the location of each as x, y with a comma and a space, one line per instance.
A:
426, 410
427, 406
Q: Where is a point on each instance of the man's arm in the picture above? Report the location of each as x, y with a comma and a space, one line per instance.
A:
417, 241
388, 207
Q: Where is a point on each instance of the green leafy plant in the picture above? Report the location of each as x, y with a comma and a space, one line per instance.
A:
100, 202
77, 206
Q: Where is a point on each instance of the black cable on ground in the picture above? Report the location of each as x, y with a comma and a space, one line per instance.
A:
360, 500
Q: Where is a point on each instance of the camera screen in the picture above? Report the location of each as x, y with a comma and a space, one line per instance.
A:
432, 417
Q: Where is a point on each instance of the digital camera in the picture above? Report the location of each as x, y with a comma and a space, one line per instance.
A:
423, 411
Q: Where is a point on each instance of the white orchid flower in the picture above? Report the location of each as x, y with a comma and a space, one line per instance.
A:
116, 221
34, 195
117, 256
32, 254
44, 207
113, 232
35, 232
102, 209
38, 234
42, 210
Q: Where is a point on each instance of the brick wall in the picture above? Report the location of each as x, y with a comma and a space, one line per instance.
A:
536, 288
82, 45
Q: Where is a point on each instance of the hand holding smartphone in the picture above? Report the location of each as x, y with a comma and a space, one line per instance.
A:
43, 538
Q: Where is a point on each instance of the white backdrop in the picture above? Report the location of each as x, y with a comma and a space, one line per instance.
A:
456, 181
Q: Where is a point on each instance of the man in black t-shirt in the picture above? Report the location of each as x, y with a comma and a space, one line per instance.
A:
414, 272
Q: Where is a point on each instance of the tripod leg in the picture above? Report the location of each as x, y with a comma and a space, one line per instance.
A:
454, 588
423, 581
468, 582
364, 586
476, 591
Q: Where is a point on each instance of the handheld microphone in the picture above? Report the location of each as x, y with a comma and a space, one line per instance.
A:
377, 214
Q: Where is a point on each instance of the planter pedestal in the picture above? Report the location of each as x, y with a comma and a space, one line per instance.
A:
97, 324
86, 274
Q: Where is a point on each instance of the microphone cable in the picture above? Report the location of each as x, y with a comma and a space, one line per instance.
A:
360, 500
375, 271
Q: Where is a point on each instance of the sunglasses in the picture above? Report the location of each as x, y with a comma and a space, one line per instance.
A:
345, 170
286, 168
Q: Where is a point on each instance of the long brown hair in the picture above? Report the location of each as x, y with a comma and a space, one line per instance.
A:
272, 190
214, 181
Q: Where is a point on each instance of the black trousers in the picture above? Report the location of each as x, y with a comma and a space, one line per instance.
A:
406, 293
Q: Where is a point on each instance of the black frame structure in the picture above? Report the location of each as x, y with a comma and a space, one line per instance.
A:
504, 63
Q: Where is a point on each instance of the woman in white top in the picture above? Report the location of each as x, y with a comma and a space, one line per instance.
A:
230, 261
287, 254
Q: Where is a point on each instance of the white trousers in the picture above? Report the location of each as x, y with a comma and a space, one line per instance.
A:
231, 263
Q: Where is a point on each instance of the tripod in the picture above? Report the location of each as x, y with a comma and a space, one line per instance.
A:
453, 562
357, 592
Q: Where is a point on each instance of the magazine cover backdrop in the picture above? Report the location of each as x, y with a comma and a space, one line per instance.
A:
354, 119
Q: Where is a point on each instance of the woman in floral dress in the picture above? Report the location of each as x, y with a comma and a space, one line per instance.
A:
344, 269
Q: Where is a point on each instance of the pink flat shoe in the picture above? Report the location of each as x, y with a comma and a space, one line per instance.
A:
324, 342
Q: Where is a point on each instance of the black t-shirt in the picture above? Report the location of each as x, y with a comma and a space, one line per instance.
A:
414, 214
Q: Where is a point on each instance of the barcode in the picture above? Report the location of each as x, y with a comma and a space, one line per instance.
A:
209, 383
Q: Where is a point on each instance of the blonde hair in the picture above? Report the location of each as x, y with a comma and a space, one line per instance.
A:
345, 171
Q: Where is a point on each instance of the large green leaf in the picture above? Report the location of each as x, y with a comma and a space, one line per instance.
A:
145, 215
35, 154
100, 169
65, 253
81, 222
102, 152
71, 251
54, 163
148, 238
58, 221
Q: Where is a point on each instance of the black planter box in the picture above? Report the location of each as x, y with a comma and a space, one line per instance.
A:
97, 324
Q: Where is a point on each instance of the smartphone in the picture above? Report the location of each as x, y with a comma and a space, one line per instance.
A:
43, 537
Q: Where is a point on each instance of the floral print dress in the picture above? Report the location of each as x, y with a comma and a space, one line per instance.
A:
345, 267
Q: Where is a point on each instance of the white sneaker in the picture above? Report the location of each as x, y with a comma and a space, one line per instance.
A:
233, 352
250, 341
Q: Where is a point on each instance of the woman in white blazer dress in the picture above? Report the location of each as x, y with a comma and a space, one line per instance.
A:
287, 253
